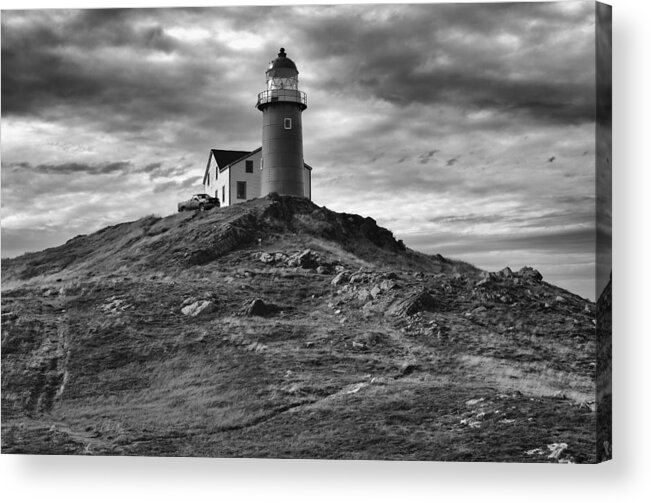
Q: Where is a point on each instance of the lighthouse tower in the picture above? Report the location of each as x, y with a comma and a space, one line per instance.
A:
282, 106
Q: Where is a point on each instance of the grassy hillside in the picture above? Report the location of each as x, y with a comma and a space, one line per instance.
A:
321, 336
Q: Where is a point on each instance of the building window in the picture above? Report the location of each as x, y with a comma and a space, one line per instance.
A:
261, 162
241, 190
288, 123
208, 179
223, 194
249, 166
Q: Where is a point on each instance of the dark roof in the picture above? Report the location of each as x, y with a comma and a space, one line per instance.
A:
225, 157
282, 62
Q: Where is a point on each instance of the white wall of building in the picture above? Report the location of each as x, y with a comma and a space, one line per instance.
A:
223, 185
238, 173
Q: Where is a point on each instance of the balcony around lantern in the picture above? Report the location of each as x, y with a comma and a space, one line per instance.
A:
282, 95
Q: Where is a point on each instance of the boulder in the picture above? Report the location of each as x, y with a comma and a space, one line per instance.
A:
363, 295
375, 291
414, 303
506, 272
189, 300
267, 258
342, 277
408, 368
530, 273
322, 269
387, 284
258, 307
358, 277
307, 259
199, 307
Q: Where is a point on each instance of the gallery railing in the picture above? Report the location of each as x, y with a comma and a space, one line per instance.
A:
275, 95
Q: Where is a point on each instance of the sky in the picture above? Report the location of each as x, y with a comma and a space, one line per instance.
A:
466, 129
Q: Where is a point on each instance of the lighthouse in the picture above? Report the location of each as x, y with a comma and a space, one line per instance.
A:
282, 105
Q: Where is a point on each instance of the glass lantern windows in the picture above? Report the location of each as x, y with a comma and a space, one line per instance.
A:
276, 83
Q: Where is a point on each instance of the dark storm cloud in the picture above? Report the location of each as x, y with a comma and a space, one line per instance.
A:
43, 57
193, 181
69, 168
452, 54
425, 157
115, 71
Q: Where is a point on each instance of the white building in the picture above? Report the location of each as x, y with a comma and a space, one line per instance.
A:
234, 176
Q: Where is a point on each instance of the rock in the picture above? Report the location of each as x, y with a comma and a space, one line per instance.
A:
506, 272
363, 295
419, 301
199, 307
560, 299
530, 273
342, 277
258, 307
408, 368
358, 277
368, 309
483, 282
307, 259
556, 450
375, 291
322, 269
267, 258
478, 309
189, 300
387, 284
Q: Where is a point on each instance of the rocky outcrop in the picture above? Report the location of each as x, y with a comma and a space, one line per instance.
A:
258, 307
414, 303
198, 307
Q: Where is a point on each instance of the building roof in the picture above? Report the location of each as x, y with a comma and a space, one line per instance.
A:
282, 62
224, 158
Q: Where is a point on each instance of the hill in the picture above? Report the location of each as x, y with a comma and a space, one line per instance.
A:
277, 328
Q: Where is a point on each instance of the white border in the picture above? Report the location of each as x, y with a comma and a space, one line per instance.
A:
71, 479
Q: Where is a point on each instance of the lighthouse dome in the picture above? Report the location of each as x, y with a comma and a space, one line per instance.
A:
282, 66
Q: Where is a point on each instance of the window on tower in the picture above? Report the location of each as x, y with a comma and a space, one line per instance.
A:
288, 123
